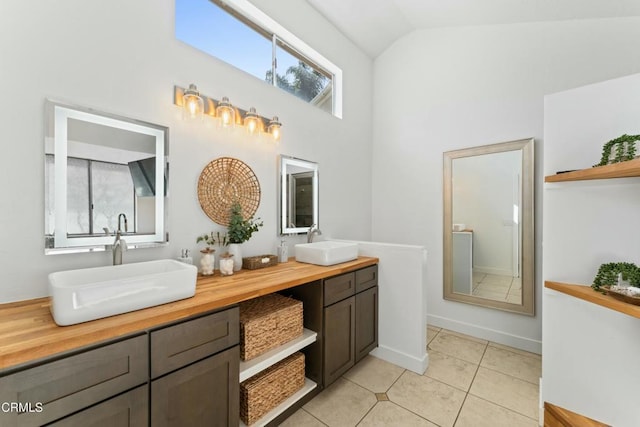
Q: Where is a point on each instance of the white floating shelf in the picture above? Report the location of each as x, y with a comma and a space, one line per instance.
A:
262, 362
271, 415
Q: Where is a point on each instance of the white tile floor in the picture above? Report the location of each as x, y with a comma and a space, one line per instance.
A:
469, 383
496, 287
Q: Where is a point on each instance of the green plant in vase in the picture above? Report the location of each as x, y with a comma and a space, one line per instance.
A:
239, 231
608, 275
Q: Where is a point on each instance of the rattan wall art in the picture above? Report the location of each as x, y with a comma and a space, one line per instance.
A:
224, 181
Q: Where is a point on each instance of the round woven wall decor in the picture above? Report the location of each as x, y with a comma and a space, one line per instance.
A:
224, 181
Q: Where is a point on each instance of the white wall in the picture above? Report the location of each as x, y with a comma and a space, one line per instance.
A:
444, 89
588, 348
121, 57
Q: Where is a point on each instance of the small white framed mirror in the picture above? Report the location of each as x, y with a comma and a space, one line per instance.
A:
299, 187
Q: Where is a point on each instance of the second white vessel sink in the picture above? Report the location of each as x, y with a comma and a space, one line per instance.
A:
92, 293
326, 252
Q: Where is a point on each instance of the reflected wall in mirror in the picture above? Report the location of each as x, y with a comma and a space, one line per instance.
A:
488, 226
100, 174
298, 195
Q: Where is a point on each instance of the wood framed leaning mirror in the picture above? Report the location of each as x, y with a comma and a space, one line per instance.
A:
489, 226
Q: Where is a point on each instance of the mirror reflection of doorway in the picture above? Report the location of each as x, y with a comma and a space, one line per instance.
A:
302, 199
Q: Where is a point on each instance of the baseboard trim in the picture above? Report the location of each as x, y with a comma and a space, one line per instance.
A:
522, 343
419, 366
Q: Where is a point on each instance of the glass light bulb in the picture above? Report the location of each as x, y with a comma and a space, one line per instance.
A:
251, 121
275, 132
226, 113
274, 128
192, 102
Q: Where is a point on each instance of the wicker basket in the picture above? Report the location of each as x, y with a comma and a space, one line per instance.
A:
268, 322
266, 390
261, 261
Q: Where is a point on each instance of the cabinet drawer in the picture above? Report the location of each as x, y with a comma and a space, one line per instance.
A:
339, 287
75, 382
366, 278
176, 346
128, 409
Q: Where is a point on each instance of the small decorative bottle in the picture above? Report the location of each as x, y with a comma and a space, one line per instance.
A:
226, 264
283, 251
207, 261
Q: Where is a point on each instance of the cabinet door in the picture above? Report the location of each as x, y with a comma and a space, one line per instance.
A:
206, 393
339, 339
366, 322
128, 409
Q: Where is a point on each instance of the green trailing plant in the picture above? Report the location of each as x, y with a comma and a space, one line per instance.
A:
625, 149
211, 240
240, 229
608, 274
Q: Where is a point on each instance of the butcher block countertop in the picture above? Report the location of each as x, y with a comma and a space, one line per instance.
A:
29, 334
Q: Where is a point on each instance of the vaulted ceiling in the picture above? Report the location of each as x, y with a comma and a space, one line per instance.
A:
374, 25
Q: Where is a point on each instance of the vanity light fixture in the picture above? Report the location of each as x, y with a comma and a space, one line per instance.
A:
226, 113
274, 128
251, 121
193, 103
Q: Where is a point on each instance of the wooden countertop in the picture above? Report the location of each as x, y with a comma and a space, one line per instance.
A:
28, 332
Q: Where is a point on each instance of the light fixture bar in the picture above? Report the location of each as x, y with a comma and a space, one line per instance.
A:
211, 104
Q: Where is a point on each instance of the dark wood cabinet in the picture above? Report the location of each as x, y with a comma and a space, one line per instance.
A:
351, 324
205, 393
200, 361
366, 322
128, 409
55, 389
339, 339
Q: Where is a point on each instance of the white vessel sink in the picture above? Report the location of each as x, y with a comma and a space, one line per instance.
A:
92, 293
326, 252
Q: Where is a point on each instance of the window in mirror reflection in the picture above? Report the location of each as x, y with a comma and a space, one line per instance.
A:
97, 192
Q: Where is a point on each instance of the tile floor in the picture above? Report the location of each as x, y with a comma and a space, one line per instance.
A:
469, 383
497, 287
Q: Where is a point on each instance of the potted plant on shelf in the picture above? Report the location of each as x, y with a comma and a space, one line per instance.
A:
207, 260
239, 231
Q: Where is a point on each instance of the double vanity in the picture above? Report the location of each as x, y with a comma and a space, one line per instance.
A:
177, 363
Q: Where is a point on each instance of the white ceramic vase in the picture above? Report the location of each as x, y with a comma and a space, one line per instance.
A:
226, 266
207, 262
236, 251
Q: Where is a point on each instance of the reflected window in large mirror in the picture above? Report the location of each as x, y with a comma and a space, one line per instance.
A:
488, 226
298, 195
102, 171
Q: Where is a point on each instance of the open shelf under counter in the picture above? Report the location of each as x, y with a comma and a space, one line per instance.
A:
272, 414
585, 292
627, 169
262, 362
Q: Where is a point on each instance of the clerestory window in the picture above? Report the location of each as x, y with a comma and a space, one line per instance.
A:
238, 33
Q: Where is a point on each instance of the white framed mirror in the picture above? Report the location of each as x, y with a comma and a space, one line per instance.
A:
103, 173
299, 186
489, 226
